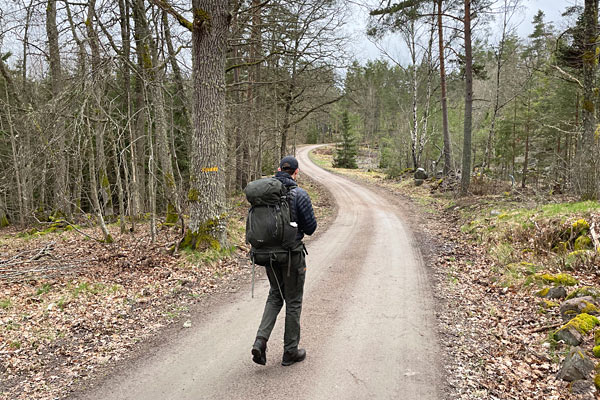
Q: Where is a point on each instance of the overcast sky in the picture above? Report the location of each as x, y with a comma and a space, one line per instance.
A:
364, 50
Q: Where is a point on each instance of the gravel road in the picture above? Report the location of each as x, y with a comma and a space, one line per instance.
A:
368, 323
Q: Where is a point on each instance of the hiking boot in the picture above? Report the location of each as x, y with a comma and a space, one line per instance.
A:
290, 357
259, 351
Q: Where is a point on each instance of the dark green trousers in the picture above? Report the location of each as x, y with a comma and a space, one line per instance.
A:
292, 287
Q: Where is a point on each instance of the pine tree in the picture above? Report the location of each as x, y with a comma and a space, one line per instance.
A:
347, 149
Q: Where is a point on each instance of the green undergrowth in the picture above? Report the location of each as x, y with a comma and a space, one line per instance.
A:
403, 183
526, 237
555, 236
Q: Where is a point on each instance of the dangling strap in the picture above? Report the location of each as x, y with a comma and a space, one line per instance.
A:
253, 266
275, 275
289, 262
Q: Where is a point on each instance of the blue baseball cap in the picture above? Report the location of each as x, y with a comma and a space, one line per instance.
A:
289, 162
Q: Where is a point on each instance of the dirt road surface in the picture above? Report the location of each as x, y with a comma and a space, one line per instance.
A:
368, 323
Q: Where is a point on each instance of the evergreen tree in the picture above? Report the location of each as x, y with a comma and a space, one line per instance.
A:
347, 149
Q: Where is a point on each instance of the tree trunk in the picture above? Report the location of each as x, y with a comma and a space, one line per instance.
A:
16, 163
151, 181
446, 131
155, 74
490, 140
120, 192
253, 95
61, 204
25, 84
140, 112
466, 161
587, 160
94, 192
514, 140
163, 146
285, 128
207, 187
131, 179
97, 92
527, 126
177, 75
414, 132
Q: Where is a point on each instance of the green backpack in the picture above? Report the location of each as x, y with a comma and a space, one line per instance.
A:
269, 227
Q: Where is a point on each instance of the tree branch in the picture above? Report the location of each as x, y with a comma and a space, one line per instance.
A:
163, 5
307, 113
568, 76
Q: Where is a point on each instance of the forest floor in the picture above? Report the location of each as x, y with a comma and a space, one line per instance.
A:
71, 306
491, 254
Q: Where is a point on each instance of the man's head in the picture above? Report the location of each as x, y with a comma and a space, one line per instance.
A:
289, 164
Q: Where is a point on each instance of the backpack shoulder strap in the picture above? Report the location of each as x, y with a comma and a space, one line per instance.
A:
291, 198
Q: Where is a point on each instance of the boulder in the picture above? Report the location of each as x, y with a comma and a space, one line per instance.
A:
558, 292
575, 366
558, 279
421, 174
569, 335
573, 307
585, 291
584, 387
419, 182
573, 331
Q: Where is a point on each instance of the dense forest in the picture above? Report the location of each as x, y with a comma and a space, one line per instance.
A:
132, 109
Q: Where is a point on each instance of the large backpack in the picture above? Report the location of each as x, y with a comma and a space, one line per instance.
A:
270, 229
269, 226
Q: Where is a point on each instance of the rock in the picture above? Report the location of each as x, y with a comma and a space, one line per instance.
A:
585, 291
584, 387
187, 324
495, 213
547, 304
581, 324
419, 182
575, 366
558, 292
558, 279
569, 335
421, 174
572, 307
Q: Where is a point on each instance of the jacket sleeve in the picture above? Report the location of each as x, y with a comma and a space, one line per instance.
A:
304, 212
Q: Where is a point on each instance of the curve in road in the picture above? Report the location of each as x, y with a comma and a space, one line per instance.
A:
367, 322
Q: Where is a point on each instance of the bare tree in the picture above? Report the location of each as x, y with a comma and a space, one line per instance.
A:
468, 121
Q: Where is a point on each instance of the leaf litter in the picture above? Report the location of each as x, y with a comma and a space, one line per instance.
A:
70, 306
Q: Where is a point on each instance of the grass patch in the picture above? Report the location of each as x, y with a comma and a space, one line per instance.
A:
45, 288
207, 256
87, 288
5, 304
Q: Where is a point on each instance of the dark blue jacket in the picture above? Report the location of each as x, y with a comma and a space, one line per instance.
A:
301, 209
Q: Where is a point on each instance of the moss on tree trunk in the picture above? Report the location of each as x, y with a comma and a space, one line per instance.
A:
205, 237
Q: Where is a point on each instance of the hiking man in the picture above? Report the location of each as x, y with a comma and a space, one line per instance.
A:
287, 278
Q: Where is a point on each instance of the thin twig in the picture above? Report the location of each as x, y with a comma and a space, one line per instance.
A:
545, 328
